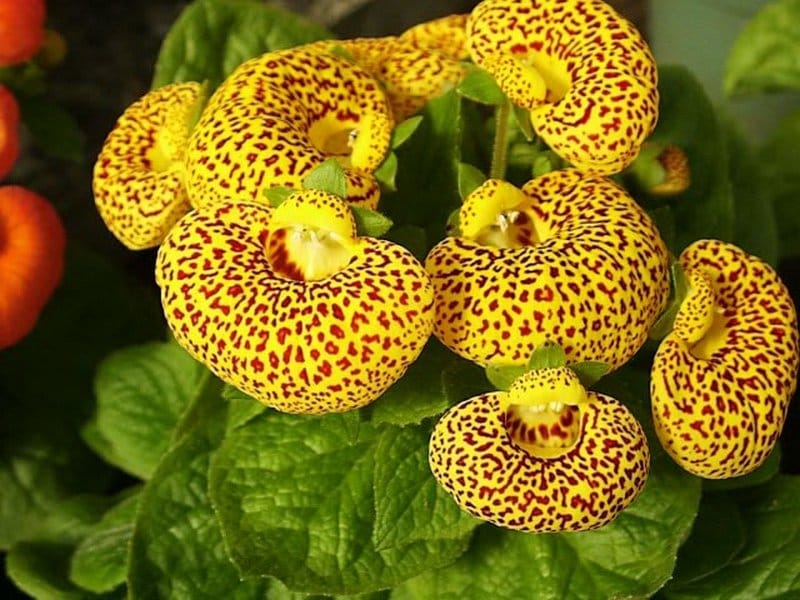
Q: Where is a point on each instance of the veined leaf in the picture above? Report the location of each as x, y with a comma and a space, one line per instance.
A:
303, 499
231, 31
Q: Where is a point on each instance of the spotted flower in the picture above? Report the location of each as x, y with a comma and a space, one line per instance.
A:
411, 76
32, 243
290, 305
278, 116
546, 456
584, 73
567, 259
676, 172
21, 30
9, 131
447, 35
138, 178
722, 379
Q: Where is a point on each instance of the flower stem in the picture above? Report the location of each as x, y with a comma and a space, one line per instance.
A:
500, 149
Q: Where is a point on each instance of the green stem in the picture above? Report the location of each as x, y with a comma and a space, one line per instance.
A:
500, 149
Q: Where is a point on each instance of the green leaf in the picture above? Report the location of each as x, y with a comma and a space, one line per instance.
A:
469, 179
40, 567
479, 86
231, 31
99, 563
142, 392
769, 469
664, 219
328, 177
410, 505
386, 173
590, 371
427, 179
405, 130
547, 356
177, 549
278, 591
755, 226
717, 535
411, 237
680, 287
631, 557
298, 500
370, 223
764, 56
53, 129
419, 393
464, 379
523, 155
502, 376
523, 120
46, 389
769, 561
687, 119
40, 570
453, 224
544, 163
779, 164
241, 407
277, 195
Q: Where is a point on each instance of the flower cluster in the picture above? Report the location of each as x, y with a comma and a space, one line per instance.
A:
295, 306
32, 238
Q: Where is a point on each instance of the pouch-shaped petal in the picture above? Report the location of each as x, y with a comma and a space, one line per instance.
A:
9, 134
32, 241
447, 35
289, 306
138, 177
723, 378
583, 71
568, 259
411, 75
540, 467
280, 115
21, 30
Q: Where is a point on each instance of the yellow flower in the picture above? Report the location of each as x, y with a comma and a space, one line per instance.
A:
138, 177
546, 456
447, 35
722, 379
410, 75
584, 72
278, 116
290, 306
567, 259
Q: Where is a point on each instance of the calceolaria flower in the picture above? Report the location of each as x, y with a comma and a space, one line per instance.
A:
447, 35
21, 30
32, 241
585, 74
723, 378
279, 115
411, 76
567, 259
9, 131
290, 305
138, 179
676, 172
546, 456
